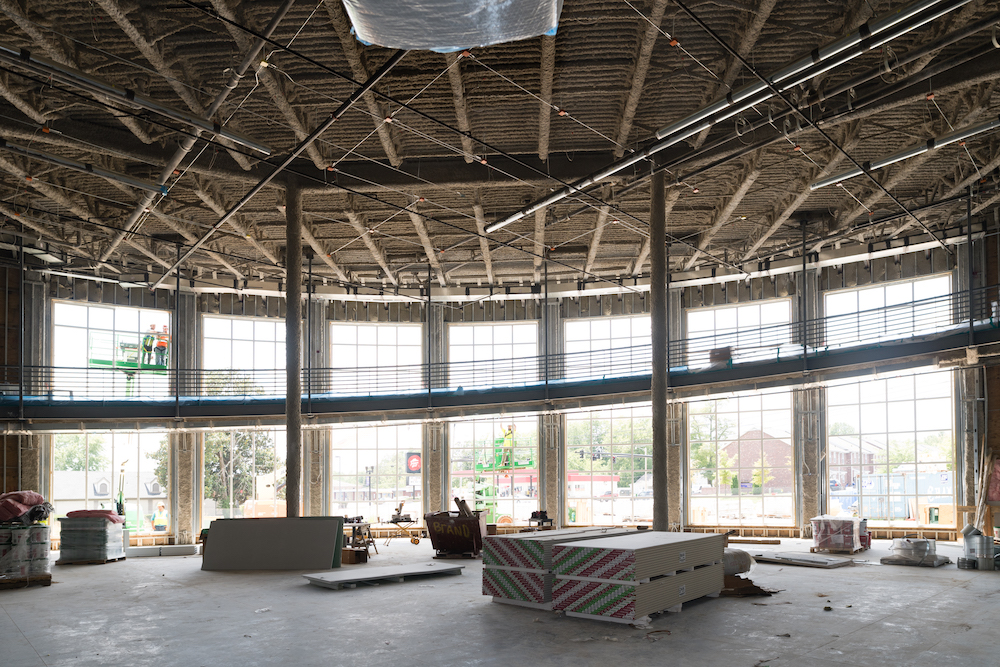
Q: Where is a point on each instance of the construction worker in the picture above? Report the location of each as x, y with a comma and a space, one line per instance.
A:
508, 447
148, 341
159, 518
162, 341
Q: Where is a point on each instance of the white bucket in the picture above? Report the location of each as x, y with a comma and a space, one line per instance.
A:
38, 534
37, 551
4, 535
39, 566
18, 568
19, 534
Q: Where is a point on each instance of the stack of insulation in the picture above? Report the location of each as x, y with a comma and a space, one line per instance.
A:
626, 578
517, 568
84, 539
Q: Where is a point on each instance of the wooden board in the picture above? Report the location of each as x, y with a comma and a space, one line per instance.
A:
300, 543
11, 583
802, 560
89, 562
753, 540
351, 577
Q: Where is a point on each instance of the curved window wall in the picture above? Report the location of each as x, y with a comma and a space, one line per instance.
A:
494, 467
369, 470
891, 449
740, 461
243, 475
609, 462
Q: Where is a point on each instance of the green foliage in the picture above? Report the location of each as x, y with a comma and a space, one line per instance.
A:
761, 474
842, 428
235, 464
162, 458
70, 453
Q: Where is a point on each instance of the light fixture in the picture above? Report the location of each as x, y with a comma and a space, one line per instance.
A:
24, 59
907, 153
82, 167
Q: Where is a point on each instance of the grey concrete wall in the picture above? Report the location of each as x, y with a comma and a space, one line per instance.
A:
315, 470
185, 485
552, 447
676, 446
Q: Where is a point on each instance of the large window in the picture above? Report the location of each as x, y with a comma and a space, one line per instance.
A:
492, 354
609, 461
494, 467
366, 347
604, 346
246, 356
740, 461
746, 332
97, 470
244, 475
109, 351
888, 311
374, 469
891, 449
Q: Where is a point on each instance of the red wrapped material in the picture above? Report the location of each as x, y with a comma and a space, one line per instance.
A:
96, 514
16, 503
836, 533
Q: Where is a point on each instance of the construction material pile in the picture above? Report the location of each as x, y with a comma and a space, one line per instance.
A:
517, 568
24, 541
626, 578
90, 539
835, 533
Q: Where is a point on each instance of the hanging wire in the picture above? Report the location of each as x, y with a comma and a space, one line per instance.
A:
673, 42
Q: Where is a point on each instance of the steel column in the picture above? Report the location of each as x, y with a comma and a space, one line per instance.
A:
293, 344
658, 315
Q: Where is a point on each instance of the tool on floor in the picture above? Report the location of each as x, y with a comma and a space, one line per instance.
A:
402, 523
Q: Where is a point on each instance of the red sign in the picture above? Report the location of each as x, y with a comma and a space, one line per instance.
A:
413, 462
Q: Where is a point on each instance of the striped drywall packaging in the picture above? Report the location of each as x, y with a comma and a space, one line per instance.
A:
637, 556
631, 601
518, 585
517, 568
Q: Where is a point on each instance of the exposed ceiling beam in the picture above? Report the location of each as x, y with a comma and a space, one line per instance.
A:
352, 51
425, 241
484, 241
275, 88
850, 139
357, 220
595, 238
652, 31
19, 102
215, 203
547, 72
324, 254
57, 53
668, 204
749, 176
191, 237
461, 108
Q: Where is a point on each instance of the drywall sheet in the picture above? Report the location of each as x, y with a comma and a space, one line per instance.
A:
352, 576
300, 543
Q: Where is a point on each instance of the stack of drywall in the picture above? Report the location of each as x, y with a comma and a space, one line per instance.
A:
86, 539
627, 578
517, 568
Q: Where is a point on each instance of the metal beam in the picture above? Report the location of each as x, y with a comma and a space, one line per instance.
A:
484, 241
546, 72
639, 73
595, 239
458, 98
750, 174
352, 51
214, 203
539, 241
298, 150
357, 220
324, 254
425, 240
293, 346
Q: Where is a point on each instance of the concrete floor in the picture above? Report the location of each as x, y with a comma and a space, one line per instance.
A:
166, 611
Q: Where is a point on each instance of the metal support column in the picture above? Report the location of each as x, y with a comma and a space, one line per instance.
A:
658, 315
968, 254
175, 337
293, 344
309, 336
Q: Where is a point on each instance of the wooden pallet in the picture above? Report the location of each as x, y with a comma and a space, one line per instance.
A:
848, 552
88, 562
25, 582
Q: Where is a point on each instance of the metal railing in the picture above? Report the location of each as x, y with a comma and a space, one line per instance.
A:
876, 327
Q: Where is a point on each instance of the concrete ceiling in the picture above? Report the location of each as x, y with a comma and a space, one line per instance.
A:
482, 135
